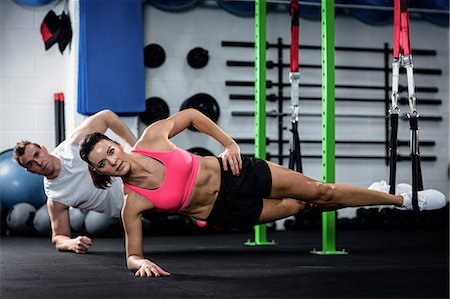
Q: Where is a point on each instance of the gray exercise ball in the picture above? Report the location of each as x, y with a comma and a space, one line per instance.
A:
20, 219
76, 219
99, 224
42, 222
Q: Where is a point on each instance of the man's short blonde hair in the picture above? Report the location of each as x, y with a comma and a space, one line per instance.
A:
19, 149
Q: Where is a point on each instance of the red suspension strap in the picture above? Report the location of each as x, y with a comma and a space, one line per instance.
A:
294, 78
402, 53
401, 29
295, 15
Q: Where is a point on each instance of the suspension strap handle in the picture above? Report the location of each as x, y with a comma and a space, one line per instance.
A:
294, 76
393, 151
295, 155
417, 183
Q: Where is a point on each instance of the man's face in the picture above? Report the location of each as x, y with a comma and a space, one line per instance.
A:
37, 160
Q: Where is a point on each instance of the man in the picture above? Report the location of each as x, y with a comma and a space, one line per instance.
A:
67, 181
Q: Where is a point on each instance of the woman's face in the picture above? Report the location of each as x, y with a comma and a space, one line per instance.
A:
108, 158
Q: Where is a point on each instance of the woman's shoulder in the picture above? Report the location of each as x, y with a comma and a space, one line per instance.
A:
154, 145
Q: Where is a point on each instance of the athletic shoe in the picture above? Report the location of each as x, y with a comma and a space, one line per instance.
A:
384, 187
429, 199
380, 186
402, 188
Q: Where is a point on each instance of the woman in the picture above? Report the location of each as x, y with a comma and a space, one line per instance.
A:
231, 191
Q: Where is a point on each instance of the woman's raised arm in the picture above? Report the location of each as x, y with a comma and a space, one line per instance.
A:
178, 122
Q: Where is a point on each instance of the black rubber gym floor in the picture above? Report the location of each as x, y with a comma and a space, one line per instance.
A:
380, 264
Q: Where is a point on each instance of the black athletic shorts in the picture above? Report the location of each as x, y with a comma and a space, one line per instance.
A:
240, 200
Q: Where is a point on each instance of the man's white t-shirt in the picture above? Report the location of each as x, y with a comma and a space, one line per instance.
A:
74, 187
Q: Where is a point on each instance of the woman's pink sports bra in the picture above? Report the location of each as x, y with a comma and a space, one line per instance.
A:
176, 188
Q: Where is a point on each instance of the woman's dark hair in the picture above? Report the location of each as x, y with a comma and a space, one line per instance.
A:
87, 144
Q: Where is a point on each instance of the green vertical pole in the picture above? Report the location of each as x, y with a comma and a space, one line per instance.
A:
328, 117
260, 103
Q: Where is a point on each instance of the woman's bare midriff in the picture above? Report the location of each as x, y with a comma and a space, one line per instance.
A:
206, 189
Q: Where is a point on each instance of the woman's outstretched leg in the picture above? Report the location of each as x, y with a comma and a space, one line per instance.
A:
290, 184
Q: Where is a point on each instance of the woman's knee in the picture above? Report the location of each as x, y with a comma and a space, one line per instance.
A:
325, 192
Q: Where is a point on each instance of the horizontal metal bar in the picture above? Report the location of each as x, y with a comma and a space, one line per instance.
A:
271, 64
271, 84
244, 44
355, 157
276, 114
272, 97
358, 142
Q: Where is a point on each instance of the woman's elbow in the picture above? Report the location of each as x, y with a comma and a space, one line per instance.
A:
105, 113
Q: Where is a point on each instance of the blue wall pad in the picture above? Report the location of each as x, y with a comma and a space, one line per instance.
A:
111, 71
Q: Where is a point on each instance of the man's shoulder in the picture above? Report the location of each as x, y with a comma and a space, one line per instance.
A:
72, 167
67, 151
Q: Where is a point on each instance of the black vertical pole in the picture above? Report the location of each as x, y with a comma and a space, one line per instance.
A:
57, 123
62, 121
280, 100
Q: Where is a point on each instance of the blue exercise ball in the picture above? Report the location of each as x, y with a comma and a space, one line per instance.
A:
20, 219
18, 185
33, 3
